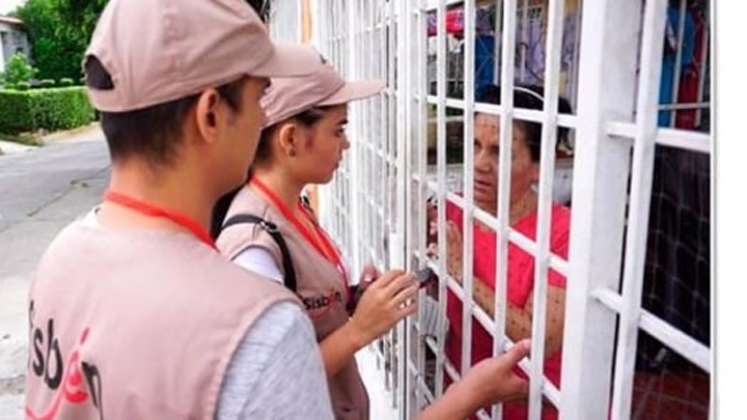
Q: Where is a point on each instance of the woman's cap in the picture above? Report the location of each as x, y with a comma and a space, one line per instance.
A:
158, 51
323, 86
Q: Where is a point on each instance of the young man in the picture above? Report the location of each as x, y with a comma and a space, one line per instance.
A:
133, 314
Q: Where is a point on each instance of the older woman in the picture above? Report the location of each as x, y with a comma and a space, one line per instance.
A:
525, 157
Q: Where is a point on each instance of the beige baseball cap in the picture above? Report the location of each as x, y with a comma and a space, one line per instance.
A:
323, 86
157, 51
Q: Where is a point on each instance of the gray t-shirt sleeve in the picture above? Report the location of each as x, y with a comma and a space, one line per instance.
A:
277, 371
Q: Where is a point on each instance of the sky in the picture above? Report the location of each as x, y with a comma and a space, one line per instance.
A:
7, 6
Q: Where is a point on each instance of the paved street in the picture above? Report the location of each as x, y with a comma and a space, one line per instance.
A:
41, 191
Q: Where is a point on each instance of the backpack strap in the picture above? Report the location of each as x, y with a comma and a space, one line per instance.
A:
272, 230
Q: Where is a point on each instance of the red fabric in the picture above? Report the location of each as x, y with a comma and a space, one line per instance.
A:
520, 286
454, 23
691, 75
152, 210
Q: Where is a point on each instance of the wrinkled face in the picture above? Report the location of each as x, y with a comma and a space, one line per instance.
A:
323, 145
524, 171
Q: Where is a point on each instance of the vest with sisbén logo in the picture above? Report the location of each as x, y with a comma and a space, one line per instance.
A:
136, 324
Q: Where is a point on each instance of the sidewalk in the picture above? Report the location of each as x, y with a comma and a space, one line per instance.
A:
11, 148
373, 378
85, 133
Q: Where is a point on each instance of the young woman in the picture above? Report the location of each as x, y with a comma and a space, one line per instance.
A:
525, 157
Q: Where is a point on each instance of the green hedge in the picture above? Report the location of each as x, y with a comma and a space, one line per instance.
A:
49, 109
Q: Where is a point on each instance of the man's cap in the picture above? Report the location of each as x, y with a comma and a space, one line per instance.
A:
323, 86
158, 51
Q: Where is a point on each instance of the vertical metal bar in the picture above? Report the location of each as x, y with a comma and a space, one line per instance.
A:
524, 41
469, 129
640, 200
497, 37
383, 219
678, 58
575, 62
609, 42
413, 223
368, 199
703, 66
441, 175
380, 145
344, 38
508, 55
421, 81
547, 170
385, 63
403, 192
350, 71
366, 51
397, 117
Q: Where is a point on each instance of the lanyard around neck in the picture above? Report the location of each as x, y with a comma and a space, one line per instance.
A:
318, 241
151, 210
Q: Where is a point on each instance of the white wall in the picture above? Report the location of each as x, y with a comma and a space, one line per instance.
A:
11, 40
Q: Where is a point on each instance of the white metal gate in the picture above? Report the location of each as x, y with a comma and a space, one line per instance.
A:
610, 68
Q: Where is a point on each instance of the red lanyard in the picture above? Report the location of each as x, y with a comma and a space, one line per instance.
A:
322, 245
148, 209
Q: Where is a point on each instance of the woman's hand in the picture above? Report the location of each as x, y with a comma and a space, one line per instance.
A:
368, 275
454, 261
454, 256
489, 382
384, 303
492, 380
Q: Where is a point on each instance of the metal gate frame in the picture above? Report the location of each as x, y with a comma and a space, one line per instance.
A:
373, 217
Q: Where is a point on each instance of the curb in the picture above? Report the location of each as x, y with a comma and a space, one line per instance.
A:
65, 135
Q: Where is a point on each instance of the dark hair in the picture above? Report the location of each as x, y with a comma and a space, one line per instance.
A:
220, 210
153, 132
528, 97
262, 7
307, 118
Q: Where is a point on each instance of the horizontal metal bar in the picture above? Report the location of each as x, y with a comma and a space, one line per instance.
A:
672, 137
524, 114
683, 344
557, 263
560, 265
682, 139
433, 4
681, 106
451, 118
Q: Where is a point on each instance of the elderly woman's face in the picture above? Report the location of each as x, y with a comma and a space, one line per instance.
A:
524, 172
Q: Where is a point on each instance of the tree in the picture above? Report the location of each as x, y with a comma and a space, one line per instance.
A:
17, 70
59, 31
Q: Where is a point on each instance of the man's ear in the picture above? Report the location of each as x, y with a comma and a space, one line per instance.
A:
207, 112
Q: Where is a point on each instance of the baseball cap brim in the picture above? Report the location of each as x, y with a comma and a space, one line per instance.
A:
288, 60
352, 91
